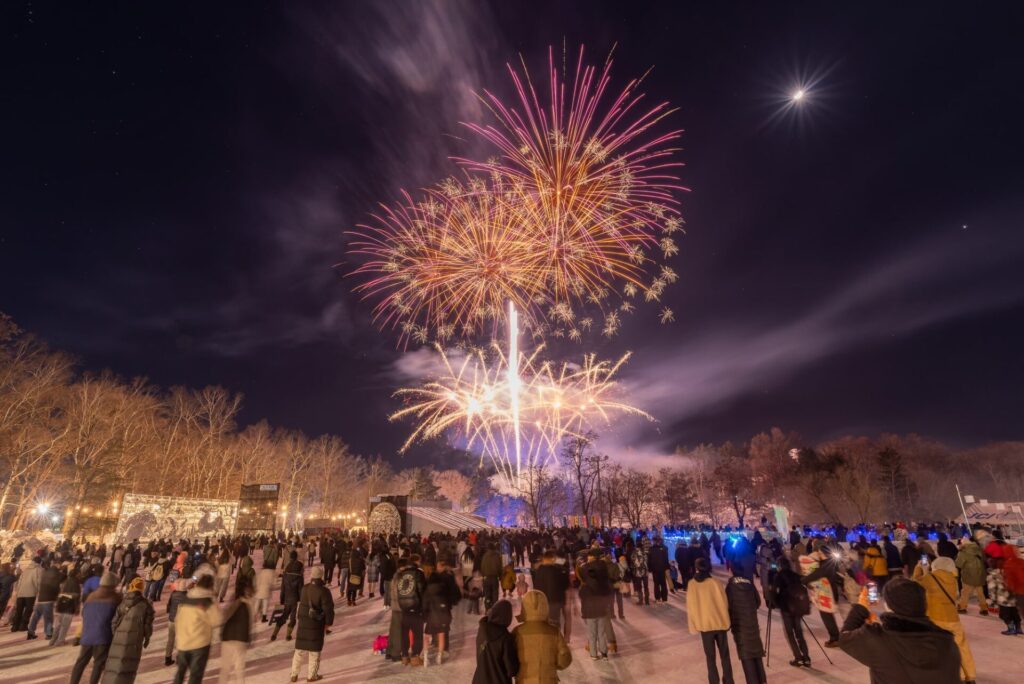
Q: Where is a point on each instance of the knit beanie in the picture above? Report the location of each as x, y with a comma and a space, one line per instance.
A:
905, 597
943, 563
109, 579
136, 584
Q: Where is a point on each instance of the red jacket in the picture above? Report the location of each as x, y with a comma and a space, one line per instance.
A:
1013, 571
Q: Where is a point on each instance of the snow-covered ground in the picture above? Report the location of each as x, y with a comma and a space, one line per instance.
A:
653, 642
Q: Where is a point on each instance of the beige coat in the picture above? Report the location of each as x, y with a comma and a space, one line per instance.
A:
707, 609
542, 650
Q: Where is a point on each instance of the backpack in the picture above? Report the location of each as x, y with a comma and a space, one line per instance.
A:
156, 573
797, 600
410, 598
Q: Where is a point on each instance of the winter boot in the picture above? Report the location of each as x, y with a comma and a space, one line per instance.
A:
288, 636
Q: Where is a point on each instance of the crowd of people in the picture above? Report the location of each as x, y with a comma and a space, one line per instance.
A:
925, 577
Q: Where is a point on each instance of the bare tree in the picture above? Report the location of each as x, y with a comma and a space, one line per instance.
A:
584, 467
638, 496
541, 492
455, 487
735, 478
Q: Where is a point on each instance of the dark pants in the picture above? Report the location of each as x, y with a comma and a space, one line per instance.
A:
351, 591
193, 662
411, 622
753, 670
328, 573
642, 589
660, 587
23, 606
98, 655
830, 625
795, 636
290, 614
710, 640
490, 592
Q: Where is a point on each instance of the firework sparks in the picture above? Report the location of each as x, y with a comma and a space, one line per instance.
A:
575, 211
474, 399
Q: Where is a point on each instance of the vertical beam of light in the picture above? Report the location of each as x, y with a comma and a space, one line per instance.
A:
513, 378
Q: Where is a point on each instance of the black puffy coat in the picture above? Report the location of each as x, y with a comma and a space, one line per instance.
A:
743, 605
497, 660
133, 625
310, 634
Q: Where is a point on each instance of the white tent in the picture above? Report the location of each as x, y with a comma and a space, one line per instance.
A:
996, 513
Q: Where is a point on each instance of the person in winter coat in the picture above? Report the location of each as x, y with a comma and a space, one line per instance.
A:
439, 596
904, 646
236, 632
68, 604
411, 587
7, 582
97, 617
49, 587
356, 575
497, 660
746, 633
246, 574
892, 557
789, 596
875, 565
595, 591
132, 628
194, 621
508, 580
707, 611
999, 592
263, 588
490, 568
551, 579
1013, 576
29, 575
291, 587
822, 577
657, 563
971, 564
316, 615
940, 589
328, 555
173, 601
641, 587
540, 648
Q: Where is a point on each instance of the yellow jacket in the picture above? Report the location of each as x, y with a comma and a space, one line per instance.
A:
940, 607
707, 609
875, 563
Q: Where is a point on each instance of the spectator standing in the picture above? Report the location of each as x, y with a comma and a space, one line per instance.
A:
540, 648
497, 661
707, 612
97, 618
132, 628
236, 633
196, 617
68, 605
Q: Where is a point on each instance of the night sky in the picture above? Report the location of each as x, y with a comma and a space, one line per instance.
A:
177, 180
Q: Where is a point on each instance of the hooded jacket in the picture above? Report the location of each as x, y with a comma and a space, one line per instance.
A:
707, 609
541, 649
133, 625
291, 582
196, 617
595, 588
901, 650
497, 660
971, 565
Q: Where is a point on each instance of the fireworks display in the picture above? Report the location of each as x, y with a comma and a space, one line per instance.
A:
568, 222
491, 406
571, 219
